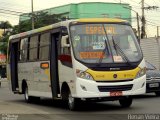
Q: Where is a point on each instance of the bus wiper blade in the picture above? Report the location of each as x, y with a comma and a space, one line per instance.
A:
107, 46
118, 49
103, 52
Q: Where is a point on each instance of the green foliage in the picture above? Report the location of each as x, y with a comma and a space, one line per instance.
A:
5, 37
5, 25
4, 42
15, 30
41, 19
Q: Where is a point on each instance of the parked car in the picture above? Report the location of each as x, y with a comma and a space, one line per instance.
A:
153, 79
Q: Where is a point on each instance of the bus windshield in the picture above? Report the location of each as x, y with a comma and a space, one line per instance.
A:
110, 43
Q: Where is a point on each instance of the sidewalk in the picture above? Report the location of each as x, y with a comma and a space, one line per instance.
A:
3, 82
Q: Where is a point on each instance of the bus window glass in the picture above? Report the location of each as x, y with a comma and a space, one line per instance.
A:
44, 46
23, 49
33, 47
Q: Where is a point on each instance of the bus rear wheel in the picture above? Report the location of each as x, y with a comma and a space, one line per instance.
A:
28, 98
126, 102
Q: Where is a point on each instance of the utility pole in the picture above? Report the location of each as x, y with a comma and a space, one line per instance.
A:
143, 31
32, 15
138, 27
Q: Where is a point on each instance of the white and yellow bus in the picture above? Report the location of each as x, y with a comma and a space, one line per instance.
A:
78, 60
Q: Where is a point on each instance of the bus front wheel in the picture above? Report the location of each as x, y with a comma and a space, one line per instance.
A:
126, 102
72, 102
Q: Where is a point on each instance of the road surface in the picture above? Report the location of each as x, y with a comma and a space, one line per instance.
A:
14, 107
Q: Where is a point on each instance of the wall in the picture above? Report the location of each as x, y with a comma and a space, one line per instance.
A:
151, 50
89, 10
100, 10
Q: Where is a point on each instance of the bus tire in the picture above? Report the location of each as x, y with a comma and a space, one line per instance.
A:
157, 93
67, 98
72, 102
126, 102
0, 84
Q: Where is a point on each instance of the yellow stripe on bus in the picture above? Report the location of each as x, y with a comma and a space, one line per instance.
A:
47, 73
110, 75
114, 20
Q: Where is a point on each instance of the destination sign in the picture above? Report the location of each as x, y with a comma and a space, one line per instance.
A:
99, 30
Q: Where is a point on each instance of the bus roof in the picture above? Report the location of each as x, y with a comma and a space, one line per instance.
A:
56, 25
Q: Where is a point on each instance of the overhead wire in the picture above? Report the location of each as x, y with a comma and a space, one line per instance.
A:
14, 12
11, 11
134, 1
11, 5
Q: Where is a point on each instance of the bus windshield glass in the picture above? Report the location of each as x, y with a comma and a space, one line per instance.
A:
110, 43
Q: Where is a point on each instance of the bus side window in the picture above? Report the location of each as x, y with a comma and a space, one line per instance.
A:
23, 49
44, 46
33, 48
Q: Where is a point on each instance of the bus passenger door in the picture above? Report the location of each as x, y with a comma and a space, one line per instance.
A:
13, 65
54, 64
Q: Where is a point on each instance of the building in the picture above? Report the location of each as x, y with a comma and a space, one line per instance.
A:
87, 10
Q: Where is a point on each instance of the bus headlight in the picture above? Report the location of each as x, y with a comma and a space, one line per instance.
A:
83, 74
141, 72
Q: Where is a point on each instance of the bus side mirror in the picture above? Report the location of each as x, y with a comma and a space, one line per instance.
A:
65, 41
64, 30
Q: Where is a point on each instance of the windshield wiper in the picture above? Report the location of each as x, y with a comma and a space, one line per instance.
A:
118, 49
107, 46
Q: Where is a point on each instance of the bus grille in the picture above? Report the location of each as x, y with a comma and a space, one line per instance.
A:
115, 88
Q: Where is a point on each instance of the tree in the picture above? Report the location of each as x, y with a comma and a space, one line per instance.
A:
5, 37
41, 19
4, 44
5, 25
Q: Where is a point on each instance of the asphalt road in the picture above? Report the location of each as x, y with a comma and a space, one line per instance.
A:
14, 107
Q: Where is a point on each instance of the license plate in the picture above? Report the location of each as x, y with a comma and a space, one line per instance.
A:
116, 93
153, 85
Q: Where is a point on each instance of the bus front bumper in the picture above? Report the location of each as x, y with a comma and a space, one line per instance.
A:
92, 89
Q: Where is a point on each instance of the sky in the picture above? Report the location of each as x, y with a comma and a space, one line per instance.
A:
24, 6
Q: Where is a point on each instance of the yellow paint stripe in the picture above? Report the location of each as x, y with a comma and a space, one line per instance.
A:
114, 20
47, 72
108, 75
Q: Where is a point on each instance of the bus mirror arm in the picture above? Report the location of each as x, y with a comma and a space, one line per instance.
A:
64, 41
